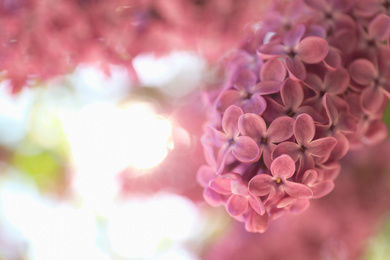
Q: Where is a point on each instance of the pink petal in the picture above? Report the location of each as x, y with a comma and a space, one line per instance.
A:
304, 129
245, 79
217, 138
296, 68
306, 162
273, 70
280, 129
314, 82
236, 205
322, 189
228, 98
275, 213
257, 223
257, 204
283, 167
309, 177
285, 202
223, 154
347, 123
297, 190
292, 94
252, 125
299, 206
245, 149
267, 87
333, 59
230, 121
292, 38
261, 185
213, 198
313, 49
334, 105
221, 185
379, 27
318, 5
341, 148
363, 71
239, 187
204, 175
372, 100
376, 133
337, 81
289, 148
322, 147
256, 104
317, 117
271, 50
274, 110
267, 154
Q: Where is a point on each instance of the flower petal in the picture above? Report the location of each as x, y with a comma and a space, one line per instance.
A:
310, 177
314, 82
337, 81
213, 198
204, 175
292, 94
280, 129
304, 129
256, 104
312, 49
245, 79
257, 204
333, 59
252, 125
271, 49
341, 148
376, 133
300, 206
257, 223
322, 147
285, 202
273, 70
221, 185
230, 121
236, 205
267, 87
283, 167
289, 148
296, 68
372, 100
318, 5
297, 190
245, 149
322, 189
261, 185
363, 71
228, 98
292, 37
379, 27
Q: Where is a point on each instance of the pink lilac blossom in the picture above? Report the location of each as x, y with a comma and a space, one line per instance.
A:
331, 100
41, 39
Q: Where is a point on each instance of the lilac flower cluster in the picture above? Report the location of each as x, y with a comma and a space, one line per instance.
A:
310, 83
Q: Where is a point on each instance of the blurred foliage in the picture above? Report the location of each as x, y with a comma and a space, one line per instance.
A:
43, 167
378, 248
386, 117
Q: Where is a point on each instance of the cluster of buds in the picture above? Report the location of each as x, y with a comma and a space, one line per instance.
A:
311, 83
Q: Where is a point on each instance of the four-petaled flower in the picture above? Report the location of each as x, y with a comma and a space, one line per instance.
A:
277, 185
306, 149
243, 148
240, 199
